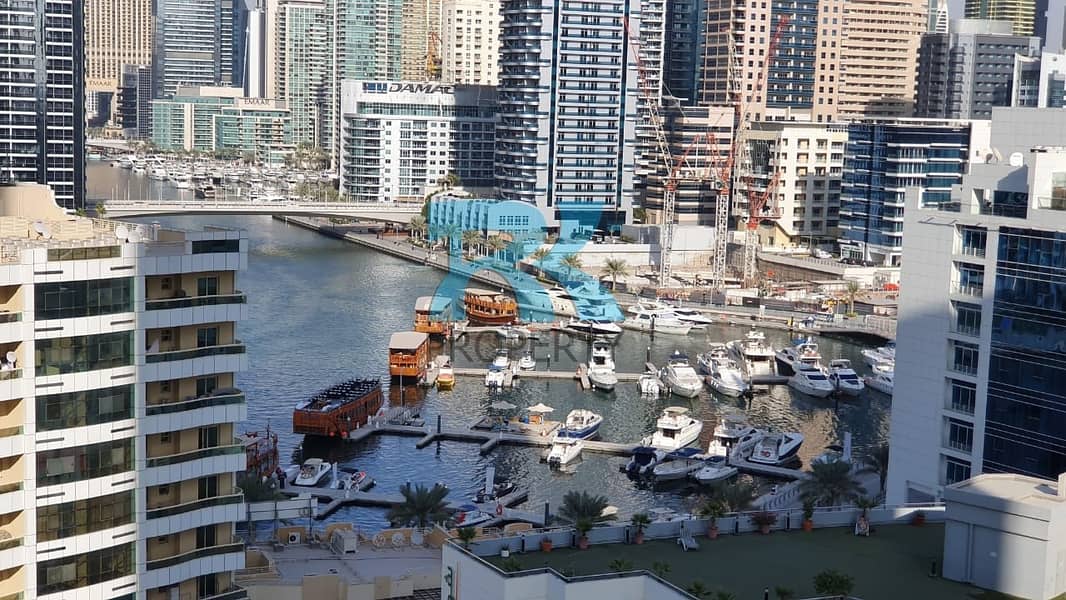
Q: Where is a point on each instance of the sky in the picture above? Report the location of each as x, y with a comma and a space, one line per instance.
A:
1055, 21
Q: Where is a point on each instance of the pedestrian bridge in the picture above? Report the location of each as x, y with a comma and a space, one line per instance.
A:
373, 211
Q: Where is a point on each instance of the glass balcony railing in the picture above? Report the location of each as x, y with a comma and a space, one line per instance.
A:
173, 459
10, 431
234, 593
7, 488
168, 511
968, 289
192, 404
10, 374
177, 559
235, 348
10, 317
234, 298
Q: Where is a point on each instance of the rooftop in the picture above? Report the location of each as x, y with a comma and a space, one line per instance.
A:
892, 563
1019, 489
407, 340
296, 561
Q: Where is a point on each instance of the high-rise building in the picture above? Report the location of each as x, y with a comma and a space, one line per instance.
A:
1021, 13
299, 51
117, 33
256, 60
420, 29
884, 158
193, 44
568, 102
979, 369
1040, 82
119, 452
470, 41
939, 16
42, 97
369, 39
964, 73
683, 50
135, 101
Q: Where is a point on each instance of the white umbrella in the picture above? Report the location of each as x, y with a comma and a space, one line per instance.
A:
501, 405
540, 407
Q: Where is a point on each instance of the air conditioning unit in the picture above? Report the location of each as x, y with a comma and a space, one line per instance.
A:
294, 538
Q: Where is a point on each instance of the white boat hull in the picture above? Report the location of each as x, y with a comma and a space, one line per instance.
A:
708, 475
804, 387
561, 454
666, 329
649, 385
676, 469
685, 389
874, 383
603, 380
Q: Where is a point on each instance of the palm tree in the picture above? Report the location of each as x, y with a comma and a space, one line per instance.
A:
418, 225
448, 233
422, 506
583, 506
876, 461
470, 239
615, 268
539, 255
496, 244
830, 483
852, 291
620, 565
698, 589
660, 568
571, 262
734, 497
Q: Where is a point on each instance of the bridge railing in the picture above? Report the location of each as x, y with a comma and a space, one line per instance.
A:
120, 205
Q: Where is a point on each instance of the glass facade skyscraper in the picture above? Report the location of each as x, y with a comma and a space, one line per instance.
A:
193, 44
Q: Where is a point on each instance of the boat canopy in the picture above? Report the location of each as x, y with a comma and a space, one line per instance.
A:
675, 410
432, 304
407, 340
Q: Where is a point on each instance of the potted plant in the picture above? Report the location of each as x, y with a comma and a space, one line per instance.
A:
582, 527
467, 535
640, 521
918, 518
764, 521
545, 544
714, 510
808, 514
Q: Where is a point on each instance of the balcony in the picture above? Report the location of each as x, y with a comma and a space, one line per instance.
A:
972, 290
193, 404
234, 593
237, 347
177, 559
174, 459
195, 301
168, 511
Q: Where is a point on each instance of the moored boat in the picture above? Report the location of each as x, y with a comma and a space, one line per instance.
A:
564, 450
800, 353
489, 307
601, 367
312, 472
844, 378
433, 315
581, 423
755, 356
408, 355
731, 432
678, 465
674, 429
338, 409
714, 469
657, 321
679, 377
811, 380
445, 377
882, 379
776, 448
527, 362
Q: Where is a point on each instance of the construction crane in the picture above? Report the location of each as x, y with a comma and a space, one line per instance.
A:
433, 59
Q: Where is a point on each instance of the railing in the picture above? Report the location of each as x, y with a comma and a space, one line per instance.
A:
266, 205
214, 300
969, 330
10, 543
170, 561
167, 511
7, 488
234, 593
1056, 202
10, 431
960, 446
960, 367
193, 404
10, 317
972, 251
173, 459
977, 291
11, 374
235, 348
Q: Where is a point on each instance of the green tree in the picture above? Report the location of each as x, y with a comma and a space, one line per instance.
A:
852, 290
660, 569
876, 461
447, 232
579, 506
615, 268
466, 535
833, 583
421, 507
511, 565
101, 210
733, 497
830, 483
496, 244
80, 212
620, 565
640, 215
471, 239
539, 255
865, 504
418, 226
571, 262
257, 490
698, 589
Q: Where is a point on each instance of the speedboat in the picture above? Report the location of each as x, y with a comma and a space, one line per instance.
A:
811, 381
601, 367
677, 465
499, 490
564, 450
350, 479
594, 326
445, 377
674, 429
693, 316
879, 356
705, 360
831, 454
679, 377
714, 469
582, 424
644, 460
312, 472
776, 448
732, 432
755, 356
471, 517
882, 379
650, 384
658, 321
844, 378
511, 332
495, 377
502, 359
724, 375
527, 363
804, 352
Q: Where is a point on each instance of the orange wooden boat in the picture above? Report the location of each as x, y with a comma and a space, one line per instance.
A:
409, 355
339, 409
489, 307
433, 315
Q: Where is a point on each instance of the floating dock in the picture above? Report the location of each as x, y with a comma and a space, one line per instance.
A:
476, 372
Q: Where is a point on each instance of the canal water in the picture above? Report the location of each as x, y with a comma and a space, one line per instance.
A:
322, 310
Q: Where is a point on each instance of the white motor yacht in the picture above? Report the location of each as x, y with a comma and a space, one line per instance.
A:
724, 375
659, 321
582, 424
731, 431
777, 448
158, 173
594, 327
811, 380
563, 304
880, 356
678, 465
881, 379
679, 377
312, 472
755, 356
502, 359
472, 518
644, 460
495, 377
674, 429
601, 367
693, 316
650, 384
527, 362
564, 450
844, 378
714, 469
705, 360
800, 353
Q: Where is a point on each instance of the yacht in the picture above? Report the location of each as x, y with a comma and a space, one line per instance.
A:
563, 304
650, 384
880, 356
471, 518
495, 377
755, 356
731, 431
777, 448
705, 360
564, 450
527, 362
601, 367
674, 429
445, 377
502, 359
658, 321
678, 465
646, 305
811, 381
881, 379
679, 377
803, 352
312, 472
158, 173
723, 374
593, 327
644, 460
844, 378
582, 424
693, 316
714, 469
350, 479
831, 454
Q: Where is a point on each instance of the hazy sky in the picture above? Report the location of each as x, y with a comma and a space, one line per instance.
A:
1055, 21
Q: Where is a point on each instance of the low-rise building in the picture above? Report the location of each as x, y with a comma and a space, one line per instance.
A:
1039, 81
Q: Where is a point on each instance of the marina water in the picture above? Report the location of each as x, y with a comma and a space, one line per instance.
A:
322, 310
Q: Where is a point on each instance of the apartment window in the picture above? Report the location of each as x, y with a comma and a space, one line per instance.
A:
84, 516
956, 470
205, 386
84, 570
207, 286
84, 462
83, 353
90, 407
967, 318
73, 299
209, 437
207, 487
206, 586
206, 536
213, 246
970, 279
964, 357
973, 241
960, 435
963, 396
206, 336
84, 253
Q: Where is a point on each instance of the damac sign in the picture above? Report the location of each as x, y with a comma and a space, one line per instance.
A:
374, 87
